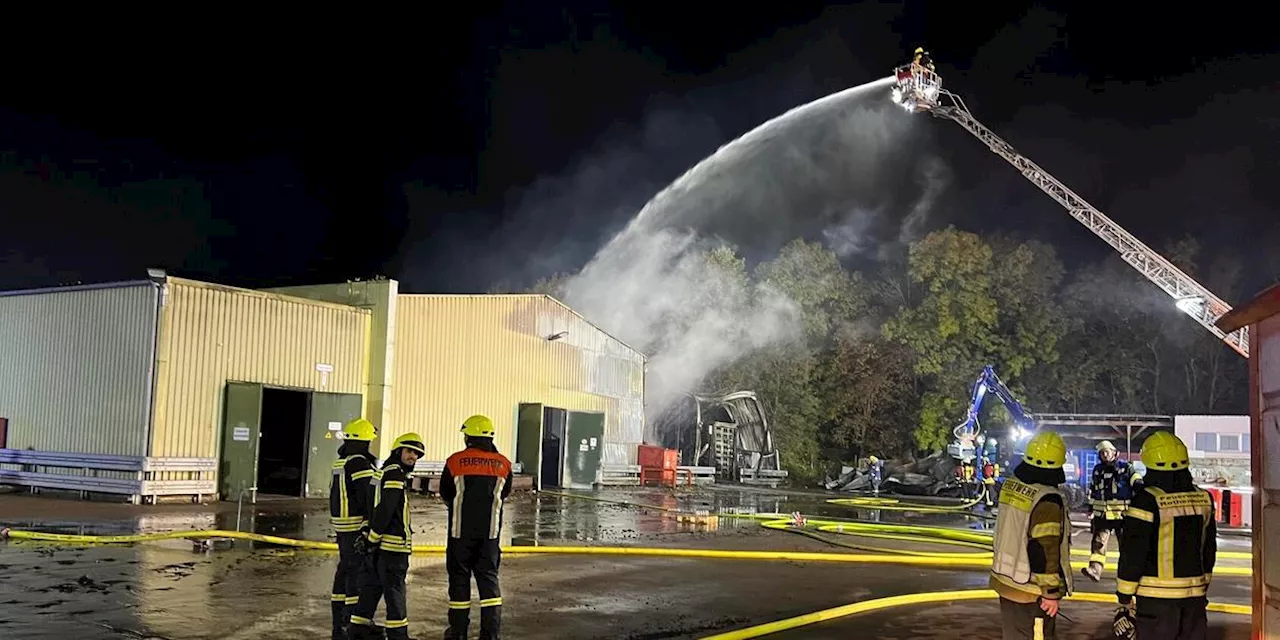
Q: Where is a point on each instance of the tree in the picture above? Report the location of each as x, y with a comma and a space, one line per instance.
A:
951, 329
785, 374
1025, 278
811, 276
866, 383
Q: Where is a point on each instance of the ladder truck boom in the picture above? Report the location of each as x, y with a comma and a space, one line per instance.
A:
919, 89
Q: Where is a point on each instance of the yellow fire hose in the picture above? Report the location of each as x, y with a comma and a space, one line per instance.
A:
892, 504
910, 533
906, 533
937, 560
879, 604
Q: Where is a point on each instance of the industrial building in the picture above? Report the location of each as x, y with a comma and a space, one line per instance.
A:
172, 386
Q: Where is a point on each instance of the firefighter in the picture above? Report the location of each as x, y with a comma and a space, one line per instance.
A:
1168, 545
922, 59
988, 482
1110, 489
1031, 562
876, 470
990, 470
387, 543
473, 485
350, 503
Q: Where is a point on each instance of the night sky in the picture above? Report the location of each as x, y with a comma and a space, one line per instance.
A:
454, 150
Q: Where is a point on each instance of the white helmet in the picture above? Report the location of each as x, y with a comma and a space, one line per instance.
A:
992, 442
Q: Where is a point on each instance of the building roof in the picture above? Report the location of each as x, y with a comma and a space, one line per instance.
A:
162, 279
553, 299
1263, 306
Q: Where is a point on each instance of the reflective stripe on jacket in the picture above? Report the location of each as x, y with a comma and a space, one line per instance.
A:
351, 492
1111, 488
1169, 544
1032, 518
391, 528
473, 485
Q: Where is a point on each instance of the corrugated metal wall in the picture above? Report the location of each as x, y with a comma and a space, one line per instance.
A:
379, 297
75, 368
211, 334
459, 355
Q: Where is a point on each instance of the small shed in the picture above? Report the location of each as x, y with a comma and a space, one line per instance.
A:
1262, 317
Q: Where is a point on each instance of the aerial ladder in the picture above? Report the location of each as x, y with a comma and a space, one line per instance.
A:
918, 89
967, 432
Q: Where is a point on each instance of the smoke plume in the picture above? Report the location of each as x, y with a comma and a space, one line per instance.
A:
845, 168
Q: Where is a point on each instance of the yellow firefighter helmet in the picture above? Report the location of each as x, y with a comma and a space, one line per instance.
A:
411, 441
1046, 450
359, 429
1164, 451
478, 426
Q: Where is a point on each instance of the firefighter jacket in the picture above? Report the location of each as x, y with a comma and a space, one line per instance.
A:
473, 485
1111, 488
1032, 545
1169, 544
351, 492
390, 527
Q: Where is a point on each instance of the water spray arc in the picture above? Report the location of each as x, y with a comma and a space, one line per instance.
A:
650, 285
918, 89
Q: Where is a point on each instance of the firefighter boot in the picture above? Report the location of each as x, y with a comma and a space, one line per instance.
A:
490, 622
365, 632
1093, 571
341, 616
459, 620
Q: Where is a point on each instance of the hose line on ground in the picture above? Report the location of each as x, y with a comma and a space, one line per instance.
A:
955, 560
924, 534
906, 533
867, 606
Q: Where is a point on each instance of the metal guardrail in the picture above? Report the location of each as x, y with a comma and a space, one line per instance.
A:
140, 473
434, 469
628, 475
764, 477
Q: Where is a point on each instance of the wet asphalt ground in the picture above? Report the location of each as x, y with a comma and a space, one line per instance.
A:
172, 590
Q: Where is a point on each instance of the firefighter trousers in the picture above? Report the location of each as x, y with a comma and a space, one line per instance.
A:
1026, 622
1102, 528
479, 558
1183, 619
383, 579
346, 581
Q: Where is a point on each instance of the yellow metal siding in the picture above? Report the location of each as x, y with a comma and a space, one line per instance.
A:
379, 297
459, 355
75, 368
212, 334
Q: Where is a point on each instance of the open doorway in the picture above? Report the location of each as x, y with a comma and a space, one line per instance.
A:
553, 425
282, 443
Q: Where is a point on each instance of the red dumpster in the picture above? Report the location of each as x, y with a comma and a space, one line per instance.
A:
651, 457
1216, 495
1232, 513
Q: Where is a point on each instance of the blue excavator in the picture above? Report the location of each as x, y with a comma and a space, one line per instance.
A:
970, 442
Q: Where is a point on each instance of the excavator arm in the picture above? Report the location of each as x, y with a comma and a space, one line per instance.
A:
968, 431
919, 89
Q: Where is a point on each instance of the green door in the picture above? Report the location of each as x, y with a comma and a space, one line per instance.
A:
241, 425
329, 411
584, 442
529, 441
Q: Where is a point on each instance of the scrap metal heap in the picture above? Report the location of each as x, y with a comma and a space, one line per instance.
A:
729, 432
